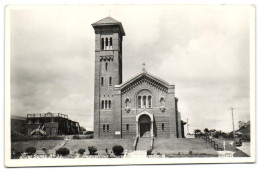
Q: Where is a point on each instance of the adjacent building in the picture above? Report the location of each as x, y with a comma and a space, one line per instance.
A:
51, 124
18, 124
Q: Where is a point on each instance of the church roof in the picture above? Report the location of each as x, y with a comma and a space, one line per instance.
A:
147, 76
109, 21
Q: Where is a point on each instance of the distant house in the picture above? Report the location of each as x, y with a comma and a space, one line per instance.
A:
18, 124
51, 124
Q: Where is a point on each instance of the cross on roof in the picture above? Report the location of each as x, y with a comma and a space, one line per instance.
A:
144, 70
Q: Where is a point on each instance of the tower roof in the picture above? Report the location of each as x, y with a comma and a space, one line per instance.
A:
109, 21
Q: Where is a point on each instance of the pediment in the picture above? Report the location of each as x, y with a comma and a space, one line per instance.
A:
147, 78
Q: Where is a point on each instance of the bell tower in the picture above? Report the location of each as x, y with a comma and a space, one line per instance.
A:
108, 72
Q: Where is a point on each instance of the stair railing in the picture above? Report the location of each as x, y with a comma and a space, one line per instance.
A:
135, 142
213, 143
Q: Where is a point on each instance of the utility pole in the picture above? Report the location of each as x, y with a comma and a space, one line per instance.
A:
188, 126
233, 123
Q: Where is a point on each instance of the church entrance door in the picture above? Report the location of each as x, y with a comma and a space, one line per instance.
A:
145, 130
145, 126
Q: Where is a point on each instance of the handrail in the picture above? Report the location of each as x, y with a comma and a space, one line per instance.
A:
209, 140
135, 142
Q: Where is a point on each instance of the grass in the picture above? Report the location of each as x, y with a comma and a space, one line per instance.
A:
38, 144
183, 147
101, 144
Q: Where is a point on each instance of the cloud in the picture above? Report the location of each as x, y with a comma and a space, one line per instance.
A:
203, 50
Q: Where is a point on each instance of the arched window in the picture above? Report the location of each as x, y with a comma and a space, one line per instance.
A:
144, 102
106, 66
106, 43
102, 104
105, 104
144, 99
127, 101
149, 101
110, 81
109, 104
102, 43
111, 43
139, 101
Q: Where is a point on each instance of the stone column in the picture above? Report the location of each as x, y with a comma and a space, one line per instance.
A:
137, 129
104, 43
151, 128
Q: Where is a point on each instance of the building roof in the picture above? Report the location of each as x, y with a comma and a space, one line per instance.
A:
109, 21
18, 117
145, 75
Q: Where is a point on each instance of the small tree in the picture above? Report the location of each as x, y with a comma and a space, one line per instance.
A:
31, 150
118, 150
149, 152
92, 150
197, 131
206, 130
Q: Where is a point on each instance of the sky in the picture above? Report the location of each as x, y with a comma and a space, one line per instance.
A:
202, 50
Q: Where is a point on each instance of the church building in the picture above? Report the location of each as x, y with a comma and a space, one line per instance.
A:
144, 106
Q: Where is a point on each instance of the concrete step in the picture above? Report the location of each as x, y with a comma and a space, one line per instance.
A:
143, 144
137, 154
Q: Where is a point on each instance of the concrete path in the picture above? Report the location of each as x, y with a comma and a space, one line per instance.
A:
66, 140
245, 148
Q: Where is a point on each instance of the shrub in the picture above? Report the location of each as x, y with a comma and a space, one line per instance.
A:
76, 137
30, 150
118, 150
92, 150
15, 154
190, 152
81, 151
83, 137
149, 152
62, 151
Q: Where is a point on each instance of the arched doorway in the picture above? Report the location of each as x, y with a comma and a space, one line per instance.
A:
145, 126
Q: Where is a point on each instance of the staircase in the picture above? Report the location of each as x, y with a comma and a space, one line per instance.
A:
143, 144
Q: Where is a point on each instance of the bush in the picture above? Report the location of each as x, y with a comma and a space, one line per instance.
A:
31, 150
76, 137
81, 151
82, 137
15, 154
62, 151
149, 152
92, 150
118, 150
190, 152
